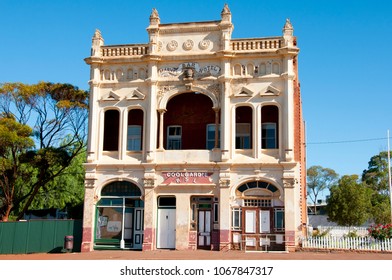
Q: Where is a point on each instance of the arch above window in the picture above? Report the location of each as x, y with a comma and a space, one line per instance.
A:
257, 185
121, 188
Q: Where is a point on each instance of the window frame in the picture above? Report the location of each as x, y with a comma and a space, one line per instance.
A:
265, 139
172, 138
134, 138
241, 136
210, 142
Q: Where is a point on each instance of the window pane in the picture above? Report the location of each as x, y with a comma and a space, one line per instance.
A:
109, 223
174, 137
236, 218
211, 136
134, 138
279, 219
242, 139
269, 136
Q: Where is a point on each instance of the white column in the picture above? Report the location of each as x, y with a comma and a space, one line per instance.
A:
150, 126
93, 128
288, 111
161, 120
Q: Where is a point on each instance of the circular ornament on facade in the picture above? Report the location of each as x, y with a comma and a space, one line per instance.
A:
172, 45
188, 45
204, 44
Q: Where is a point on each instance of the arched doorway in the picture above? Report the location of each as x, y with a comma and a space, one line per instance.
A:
119, 217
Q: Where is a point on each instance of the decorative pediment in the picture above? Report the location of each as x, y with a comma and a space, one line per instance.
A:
135, 94
244, 91
111, 96
270, 90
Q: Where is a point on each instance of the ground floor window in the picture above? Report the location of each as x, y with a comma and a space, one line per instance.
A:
236, 219
279, 219
119, 217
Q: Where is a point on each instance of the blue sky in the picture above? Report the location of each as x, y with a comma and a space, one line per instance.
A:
345, 60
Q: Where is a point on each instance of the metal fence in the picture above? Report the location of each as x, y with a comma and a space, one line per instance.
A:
39, 236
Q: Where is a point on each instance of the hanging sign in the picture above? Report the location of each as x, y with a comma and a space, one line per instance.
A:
187, 178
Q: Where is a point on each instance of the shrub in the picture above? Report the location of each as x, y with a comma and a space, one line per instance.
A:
380, 232
351, 234
318, 233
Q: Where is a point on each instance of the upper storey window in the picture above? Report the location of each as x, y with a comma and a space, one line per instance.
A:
174, 133
270, 123
268, 140
135, 130
243, 128
242, 137
134, 138
211, 136
111, 130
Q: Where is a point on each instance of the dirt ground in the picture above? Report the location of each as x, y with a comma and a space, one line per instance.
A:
202, 255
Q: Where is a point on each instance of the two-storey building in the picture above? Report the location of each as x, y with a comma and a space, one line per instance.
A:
196, 141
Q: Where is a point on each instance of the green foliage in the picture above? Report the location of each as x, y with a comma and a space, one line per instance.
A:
14, 137
349, 202
14, 141
65, 190
58, 113
318, 233
318, 180
381, 208
351, 234
376, 176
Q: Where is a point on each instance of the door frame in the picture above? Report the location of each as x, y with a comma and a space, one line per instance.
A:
170, 206
206, 238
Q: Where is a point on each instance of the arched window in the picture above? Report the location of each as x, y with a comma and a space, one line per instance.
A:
237, 70
250, 69
275, 68
111, 130
135, 130
269, 131
263, 69
243, 127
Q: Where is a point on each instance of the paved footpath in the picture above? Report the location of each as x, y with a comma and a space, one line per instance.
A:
200, 255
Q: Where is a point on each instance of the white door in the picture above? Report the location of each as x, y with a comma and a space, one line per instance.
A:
265, 226
250, 221
166, 238
204, 229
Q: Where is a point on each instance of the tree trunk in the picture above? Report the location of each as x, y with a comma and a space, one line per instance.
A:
7, 214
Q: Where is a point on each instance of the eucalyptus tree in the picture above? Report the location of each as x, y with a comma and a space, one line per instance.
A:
318, 180
57, 114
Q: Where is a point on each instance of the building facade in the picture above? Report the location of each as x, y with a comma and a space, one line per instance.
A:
196, 141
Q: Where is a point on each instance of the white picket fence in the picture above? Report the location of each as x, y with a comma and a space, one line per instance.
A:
347, 243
